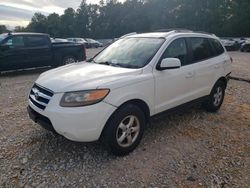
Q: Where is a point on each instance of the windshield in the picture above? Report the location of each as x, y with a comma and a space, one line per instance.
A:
2, 37
130, 52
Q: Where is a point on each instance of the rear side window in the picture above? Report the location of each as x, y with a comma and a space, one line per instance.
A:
177, 49
37, 41
217, 47
201, 49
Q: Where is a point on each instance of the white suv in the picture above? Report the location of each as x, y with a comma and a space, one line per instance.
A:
112, 96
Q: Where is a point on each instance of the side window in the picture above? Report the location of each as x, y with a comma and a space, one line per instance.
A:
15, 42
201, 49
37, 41
177, 49
217, 46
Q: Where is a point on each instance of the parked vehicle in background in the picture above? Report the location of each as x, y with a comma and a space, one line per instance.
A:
93, 43
58, 40
79, 41
112, 96
230, 44
241, 40
245, 47
29, 50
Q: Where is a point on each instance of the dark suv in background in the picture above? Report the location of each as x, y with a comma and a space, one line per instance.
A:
29, 50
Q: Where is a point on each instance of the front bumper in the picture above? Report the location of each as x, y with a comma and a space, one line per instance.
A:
40, 119
83, 124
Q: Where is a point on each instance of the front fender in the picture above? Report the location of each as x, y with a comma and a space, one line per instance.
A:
143, 90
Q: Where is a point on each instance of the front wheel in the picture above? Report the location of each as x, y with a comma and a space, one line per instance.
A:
124, 130
216, 97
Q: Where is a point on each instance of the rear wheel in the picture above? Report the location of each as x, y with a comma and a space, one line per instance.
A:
124, 130
68, 60
216, 97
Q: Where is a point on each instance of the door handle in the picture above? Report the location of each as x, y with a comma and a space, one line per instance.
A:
190, 75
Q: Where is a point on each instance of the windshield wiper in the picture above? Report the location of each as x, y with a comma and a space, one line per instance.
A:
108, 63
117, 64
128, 65
91, 60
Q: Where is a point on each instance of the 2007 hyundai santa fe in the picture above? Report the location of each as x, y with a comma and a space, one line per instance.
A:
112, 96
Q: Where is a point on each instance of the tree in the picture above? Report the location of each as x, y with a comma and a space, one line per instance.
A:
111, 18
67, 23
53, 25
38, 23
19, 29
3, 29
83, 19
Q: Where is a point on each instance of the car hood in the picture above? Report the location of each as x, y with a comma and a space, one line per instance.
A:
83, 76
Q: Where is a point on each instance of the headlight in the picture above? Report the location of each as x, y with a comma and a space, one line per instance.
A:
83, 98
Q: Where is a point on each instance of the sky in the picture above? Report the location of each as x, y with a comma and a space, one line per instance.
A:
19, 12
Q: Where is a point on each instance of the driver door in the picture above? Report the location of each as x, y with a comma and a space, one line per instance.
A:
13, 54
173, 87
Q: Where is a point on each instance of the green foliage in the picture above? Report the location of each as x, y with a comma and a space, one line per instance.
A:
3, 29
19, 29
112, 18
38, 23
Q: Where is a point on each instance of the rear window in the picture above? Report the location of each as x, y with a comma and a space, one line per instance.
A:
201, 49
217, 46
37, 41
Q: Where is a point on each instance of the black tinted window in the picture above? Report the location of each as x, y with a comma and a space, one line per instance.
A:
37, 41
177, 49
201, 49
14, 42
217, 46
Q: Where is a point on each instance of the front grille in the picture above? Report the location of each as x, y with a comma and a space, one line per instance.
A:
40, 96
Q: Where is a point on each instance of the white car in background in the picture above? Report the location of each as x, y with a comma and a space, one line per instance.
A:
112, 96
78, 41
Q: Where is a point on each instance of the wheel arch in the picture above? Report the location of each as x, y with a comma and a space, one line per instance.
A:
222, 79
141, 104
138, 102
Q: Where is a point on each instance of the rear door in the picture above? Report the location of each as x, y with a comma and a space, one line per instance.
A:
13, 53
206, 65
39, 50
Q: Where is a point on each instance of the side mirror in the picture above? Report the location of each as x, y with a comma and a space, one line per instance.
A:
169, 63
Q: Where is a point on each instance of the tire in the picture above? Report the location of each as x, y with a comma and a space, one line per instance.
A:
68, 60
216, 97
124, 130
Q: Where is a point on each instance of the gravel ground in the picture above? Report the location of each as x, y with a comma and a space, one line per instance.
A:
191, 148
241, 65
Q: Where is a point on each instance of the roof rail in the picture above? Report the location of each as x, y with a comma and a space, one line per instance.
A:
177, 30
180, 30
128, 34
204, 32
